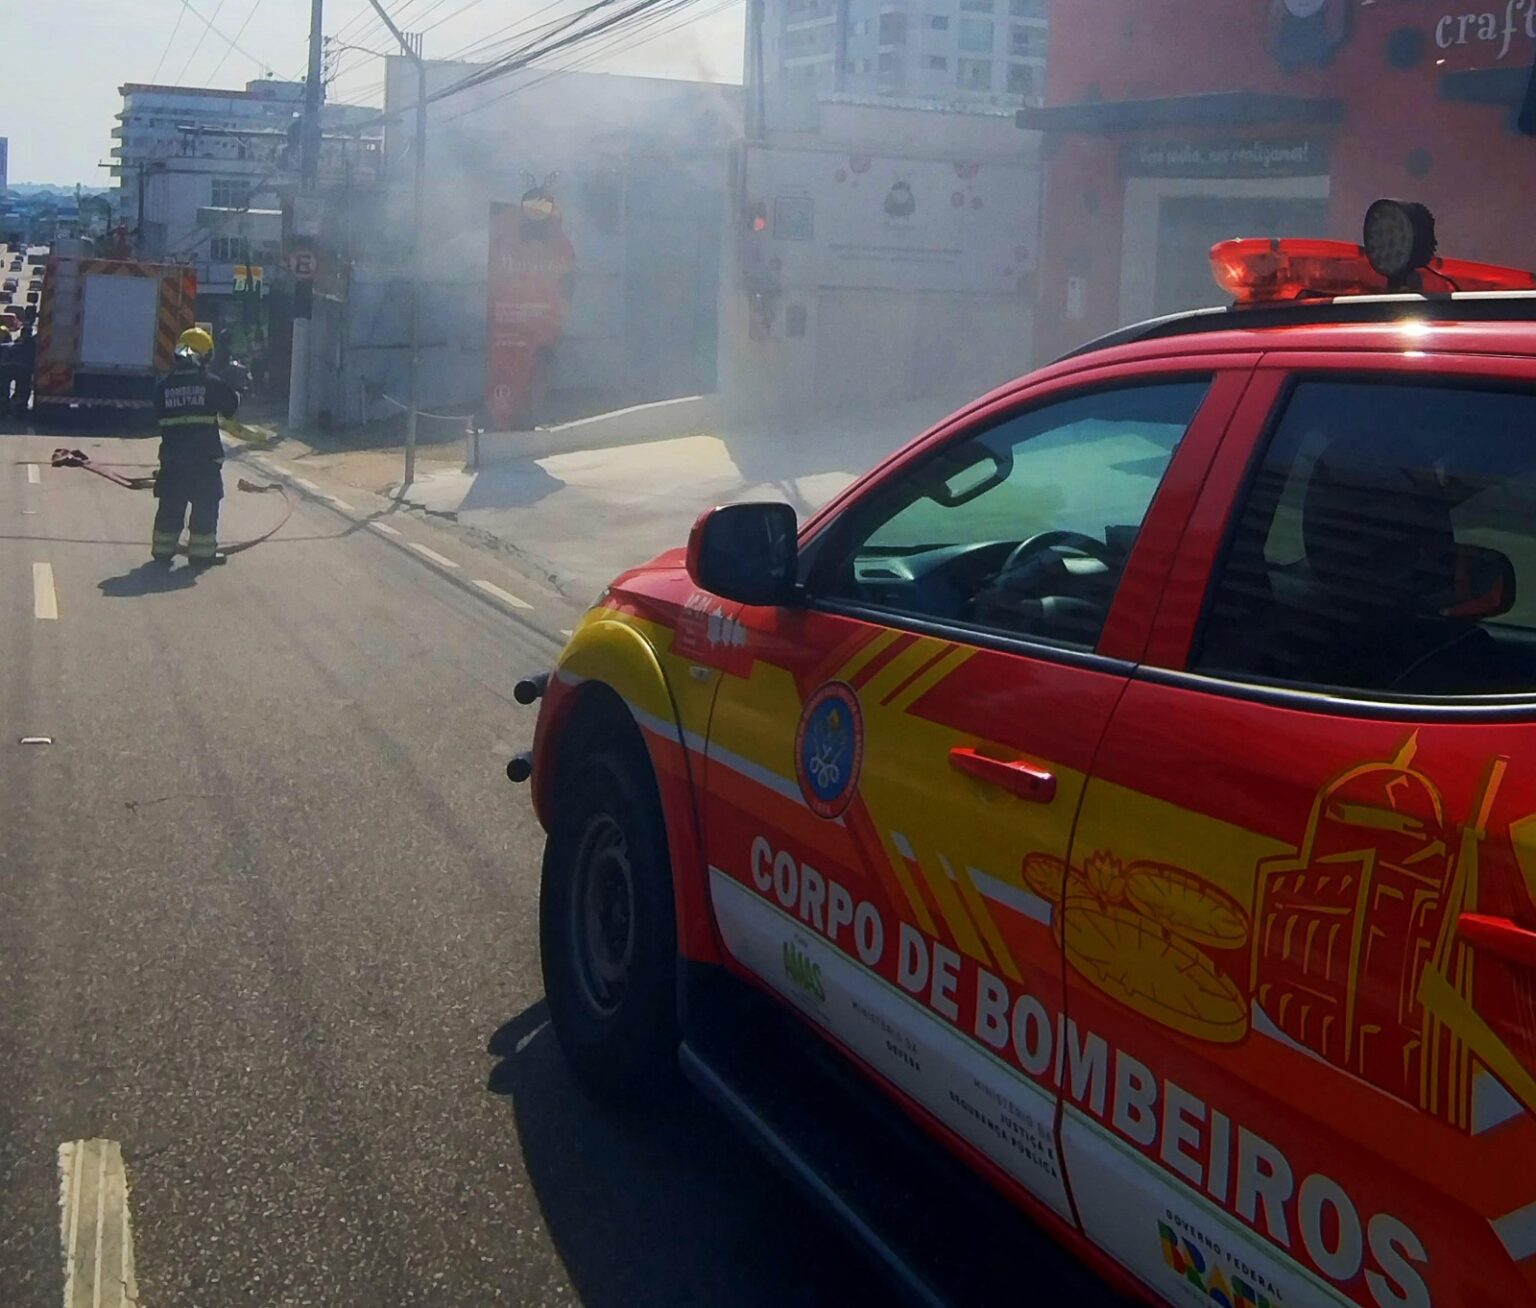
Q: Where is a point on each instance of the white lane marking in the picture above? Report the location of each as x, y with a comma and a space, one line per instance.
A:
306, 483
506, 597
431, 554
34, 475
94, 1226
341, 504
528, 1039
566, 632
384, 527
45, 603
280, 467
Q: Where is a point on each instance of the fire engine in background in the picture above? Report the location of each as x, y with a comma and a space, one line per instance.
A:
106, 330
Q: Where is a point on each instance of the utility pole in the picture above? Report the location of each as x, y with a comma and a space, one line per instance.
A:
412, 50
303, 291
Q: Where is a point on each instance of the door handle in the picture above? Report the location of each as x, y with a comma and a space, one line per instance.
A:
1499, 936
1018, 778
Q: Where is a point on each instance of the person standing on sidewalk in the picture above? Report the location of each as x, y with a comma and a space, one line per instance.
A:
189, 401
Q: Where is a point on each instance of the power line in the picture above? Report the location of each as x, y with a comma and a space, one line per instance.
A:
203, 36
155, 76
238, 35
464, 8
187, 6
617, 41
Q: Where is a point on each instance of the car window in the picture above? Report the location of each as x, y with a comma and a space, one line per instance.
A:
1023, 528
1386, 544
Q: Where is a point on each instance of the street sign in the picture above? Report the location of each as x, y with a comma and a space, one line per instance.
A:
247, 277
303, 264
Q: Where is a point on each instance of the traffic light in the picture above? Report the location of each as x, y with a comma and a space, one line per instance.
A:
759, 269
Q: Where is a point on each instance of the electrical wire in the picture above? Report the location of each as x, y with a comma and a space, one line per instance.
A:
257, 5
203, 36
604, 49
464, 8
504, 35
155, 76
521, 58
187, 6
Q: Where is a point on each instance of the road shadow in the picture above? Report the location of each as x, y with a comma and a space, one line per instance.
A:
664, 1206
148, 579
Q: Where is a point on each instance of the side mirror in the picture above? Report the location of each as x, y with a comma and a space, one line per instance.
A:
746, 552
1482, 583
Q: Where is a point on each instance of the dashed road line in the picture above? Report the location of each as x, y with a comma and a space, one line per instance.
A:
94, 1227
281, 468
34, 475
505, 596
384, 527
306, 483
341, 503
431, 554
45, 602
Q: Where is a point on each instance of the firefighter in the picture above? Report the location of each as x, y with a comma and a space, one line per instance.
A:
189, 402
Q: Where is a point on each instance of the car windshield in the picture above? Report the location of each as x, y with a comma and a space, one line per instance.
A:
365, 366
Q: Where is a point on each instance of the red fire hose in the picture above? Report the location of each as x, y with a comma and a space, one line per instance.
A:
65, 458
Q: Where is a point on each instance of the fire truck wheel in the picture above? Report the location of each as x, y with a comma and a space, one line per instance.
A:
607, 931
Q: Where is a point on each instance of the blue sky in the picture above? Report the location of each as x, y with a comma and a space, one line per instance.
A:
65, 59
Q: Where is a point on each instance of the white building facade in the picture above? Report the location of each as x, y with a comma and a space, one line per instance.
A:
961, 53
203, 172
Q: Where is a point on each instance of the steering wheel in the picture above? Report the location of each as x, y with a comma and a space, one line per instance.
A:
1055, 540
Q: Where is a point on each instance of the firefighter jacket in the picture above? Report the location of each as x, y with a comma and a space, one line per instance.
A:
189, 401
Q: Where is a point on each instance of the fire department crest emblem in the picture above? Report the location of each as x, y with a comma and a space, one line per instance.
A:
829, 749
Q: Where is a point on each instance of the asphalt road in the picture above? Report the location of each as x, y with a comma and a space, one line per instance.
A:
267, 919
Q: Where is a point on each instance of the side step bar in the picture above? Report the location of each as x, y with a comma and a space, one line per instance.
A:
736, 1108
939, 1234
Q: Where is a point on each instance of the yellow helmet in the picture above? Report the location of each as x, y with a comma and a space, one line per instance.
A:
195, 341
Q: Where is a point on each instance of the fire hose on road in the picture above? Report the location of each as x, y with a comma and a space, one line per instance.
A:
66, 458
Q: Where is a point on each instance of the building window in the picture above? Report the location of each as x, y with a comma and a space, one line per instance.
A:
1027, 8
939, 22
889, 65
936, 61
975, 74
976, 6
1021, 79
227, 249
231, 193
893, 29
976, 35
1026, 40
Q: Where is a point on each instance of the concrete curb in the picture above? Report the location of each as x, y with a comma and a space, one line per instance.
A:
641, 424
361, 519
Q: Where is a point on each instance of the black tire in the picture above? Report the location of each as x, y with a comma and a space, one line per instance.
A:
607, 930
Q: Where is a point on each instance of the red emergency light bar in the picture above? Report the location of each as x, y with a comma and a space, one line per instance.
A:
1268, 271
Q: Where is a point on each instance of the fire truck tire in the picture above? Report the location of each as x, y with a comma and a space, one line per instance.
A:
607, 930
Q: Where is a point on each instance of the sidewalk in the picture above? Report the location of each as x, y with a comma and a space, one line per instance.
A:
583, 516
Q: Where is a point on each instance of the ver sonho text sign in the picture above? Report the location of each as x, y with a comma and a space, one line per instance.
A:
1226, 157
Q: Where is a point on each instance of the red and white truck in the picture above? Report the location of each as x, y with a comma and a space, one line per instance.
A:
106, 329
